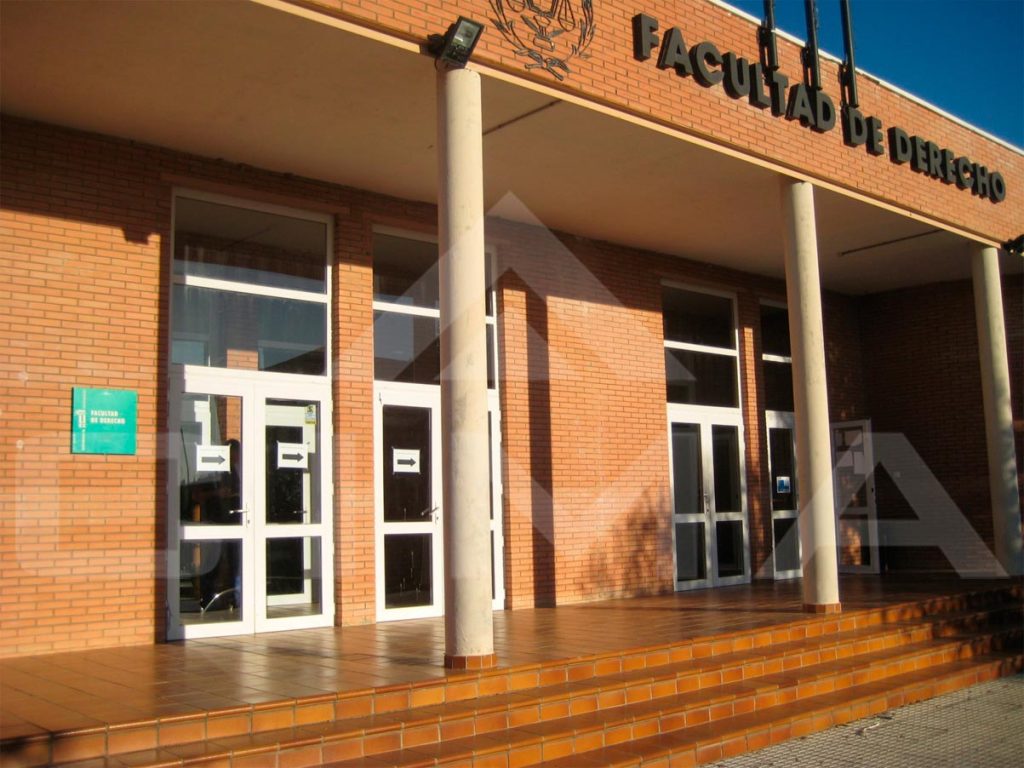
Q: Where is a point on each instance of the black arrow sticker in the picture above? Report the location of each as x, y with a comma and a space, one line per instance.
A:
213, 459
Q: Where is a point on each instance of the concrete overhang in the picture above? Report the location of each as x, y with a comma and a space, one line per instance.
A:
272, 86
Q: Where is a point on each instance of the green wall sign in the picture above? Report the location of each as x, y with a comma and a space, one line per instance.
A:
103, 421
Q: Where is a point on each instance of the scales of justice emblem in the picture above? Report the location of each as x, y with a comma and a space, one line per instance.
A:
551, 33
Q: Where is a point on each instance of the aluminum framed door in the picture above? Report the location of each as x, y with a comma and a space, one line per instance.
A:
786, 551
709, 516
410, 524
249, 533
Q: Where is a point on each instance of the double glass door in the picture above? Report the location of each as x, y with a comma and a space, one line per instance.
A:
709, 514
250, 517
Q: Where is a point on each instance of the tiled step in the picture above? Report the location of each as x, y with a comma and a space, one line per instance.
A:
383, 719
713, 709
744, 733
682, 694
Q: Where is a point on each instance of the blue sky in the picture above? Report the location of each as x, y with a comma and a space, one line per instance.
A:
964, 56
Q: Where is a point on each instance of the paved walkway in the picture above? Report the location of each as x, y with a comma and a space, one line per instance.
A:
979, 727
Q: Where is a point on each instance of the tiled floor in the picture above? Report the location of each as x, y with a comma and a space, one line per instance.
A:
65, 691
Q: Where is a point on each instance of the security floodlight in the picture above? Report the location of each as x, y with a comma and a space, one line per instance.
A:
456, 46
1015, 245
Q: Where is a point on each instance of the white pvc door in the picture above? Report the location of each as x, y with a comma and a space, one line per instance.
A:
410, 518
410, 533
783, 490
709, 516
250, 515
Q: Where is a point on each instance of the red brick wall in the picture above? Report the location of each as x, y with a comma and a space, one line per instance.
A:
85, 226
612, 77
925, 383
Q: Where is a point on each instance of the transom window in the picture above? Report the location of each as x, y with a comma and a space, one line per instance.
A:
776, 358
406, 312
249, 287
701, 359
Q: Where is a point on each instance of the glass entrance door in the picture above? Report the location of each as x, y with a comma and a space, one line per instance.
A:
410, 548
410, 518
856, 519
709, 515
250, 534
785, 512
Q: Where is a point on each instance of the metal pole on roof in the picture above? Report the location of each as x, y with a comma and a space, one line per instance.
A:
849, 68
812, 67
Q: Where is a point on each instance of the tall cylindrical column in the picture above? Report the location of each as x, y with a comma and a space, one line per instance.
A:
469, 632
995, 391
810, 398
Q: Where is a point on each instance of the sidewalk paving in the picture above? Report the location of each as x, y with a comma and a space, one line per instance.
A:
978, 727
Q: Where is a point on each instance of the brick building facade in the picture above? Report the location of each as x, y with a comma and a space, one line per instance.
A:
589, 453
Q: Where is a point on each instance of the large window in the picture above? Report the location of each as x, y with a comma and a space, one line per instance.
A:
406, 312
249, 287
700, 348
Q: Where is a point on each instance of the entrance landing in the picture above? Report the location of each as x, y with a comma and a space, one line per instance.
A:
269, 699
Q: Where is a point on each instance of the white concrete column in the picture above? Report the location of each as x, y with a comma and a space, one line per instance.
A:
469, 632
810, 397
995, 391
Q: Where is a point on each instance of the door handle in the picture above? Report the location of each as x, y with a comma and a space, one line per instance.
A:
429, 512
243, 512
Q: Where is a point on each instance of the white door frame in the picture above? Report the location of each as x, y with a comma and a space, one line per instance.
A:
255, 389
706, 417
784, 420
857, 463
416, 396
428, 396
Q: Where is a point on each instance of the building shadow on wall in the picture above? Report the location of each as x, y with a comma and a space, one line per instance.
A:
635, 558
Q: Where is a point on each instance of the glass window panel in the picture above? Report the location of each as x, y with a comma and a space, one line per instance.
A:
698, 318
294, 577
725, 442
729, 539
210, 462
408, 579
700, 378
691, 560
408, 495
787, 544
783, 463
405, 271
775, 331
227, 242
292, 462
687, 473
210, 581
240, 330
778, 386
406, 348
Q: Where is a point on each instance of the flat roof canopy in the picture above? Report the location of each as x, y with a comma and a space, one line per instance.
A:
251, 83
